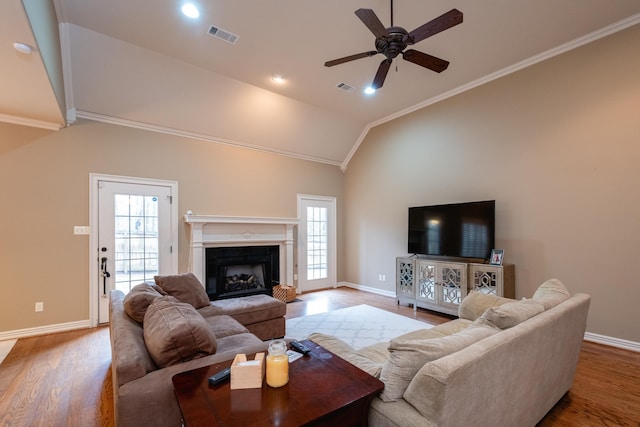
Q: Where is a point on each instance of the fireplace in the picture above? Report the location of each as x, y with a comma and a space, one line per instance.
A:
207, 232
241, 271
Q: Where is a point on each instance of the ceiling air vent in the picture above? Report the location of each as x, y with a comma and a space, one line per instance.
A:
221, 34
345, 87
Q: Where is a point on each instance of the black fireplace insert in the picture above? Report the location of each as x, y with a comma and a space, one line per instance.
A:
241, 271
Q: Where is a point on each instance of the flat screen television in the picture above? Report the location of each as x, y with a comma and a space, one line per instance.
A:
464, 230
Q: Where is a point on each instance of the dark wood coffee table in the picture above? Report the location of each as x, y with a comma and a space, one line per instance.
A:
323, 389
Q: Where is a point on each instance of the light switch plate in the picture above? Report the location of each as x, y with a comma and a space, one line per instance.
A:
80, 229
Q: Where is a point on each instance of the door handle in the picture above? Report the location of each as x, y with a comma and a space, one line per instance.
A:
105, 275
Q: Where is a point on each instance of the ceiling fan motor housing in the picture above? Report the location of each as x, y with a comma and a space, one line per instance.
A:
393, 43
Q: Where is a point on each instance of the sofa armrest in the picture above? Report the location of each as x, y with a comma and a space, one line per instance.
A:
151, 401
129, 356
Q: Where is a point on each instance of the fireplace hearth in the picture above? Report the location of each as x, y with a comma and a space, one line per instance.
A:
241, 271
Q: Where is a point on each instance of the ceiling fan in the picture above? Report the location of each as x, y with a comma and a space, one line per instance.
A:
393, 41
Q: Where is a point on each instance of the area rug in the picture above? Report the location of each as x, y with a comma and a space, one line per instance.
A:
359, 326
5, 348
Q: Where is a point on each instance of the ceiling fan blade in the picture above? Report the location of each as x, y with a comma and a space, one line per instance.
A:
441, 23
381, 74
370, 19
350, 58
424, 60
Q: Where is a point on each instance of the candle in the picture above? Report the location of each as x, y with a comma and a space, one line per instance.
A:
277, 364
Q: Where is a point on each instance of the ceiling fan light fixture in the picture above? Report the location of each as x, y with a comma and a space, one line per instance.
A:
278, 78
369, 90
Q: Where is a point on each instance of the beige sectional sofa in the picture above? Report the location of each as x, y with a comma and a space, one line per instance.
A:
161, 329
501, 363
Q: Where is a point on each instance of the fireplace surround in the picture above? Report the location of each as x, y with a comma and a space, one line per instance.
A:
206, 232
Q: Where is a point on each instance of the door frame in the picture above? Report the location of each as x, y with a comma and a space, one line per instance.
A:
333, 238
94, 179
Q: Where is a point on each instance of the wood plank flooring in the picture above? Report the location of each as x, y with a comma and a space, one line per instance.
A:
65, 379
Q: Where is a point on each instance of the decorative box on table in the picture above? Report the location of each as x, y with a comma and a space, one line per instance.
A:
247, 373
284, 293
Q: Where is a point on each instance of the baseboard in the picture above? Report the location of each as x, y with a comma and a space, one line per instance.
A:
363, 288
588, 336
612, 341
43, 330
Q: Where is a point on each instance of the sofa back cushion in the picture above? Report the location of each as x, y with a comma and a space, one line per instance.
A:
175, 332
510, 314
408, 356
185, 287
551, 293
139, 298
476, 303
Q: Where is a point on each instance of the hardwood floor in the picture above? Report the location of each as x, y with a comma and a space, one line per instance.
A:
65, 379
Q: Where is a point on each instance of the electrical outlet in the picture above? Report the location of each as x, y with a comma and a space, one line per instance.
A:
39, 306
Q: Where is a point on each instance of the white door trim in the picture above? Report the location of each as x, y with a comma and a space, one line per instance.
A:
333, 238
94, 178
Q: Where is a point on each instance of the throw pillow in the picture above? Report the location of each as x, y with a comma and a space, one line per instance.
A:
551, 293
185, 287
175, 332
510, 314
407, 357
139, 298
476, 303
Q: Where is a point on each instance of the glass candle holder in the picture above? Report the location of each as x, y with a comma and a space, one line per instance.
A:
277, 364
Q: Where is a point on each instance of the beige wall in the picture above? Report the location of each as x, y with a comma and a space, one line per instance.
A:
556, 145
44, 183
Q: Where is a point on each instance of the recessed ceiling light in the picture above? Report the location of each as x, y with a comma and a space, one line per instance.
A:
369, 91
22, 48
190, 10
279, 78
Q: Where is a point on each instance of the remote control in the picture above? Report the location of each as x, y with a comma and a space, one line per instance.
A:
299, 347
220, 377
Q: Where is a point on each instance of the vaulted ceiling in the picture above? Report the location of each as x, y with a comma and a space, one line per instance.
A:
142, 63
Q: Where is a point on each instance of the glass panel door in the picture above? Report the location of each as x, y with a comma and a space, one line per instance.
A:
316, 242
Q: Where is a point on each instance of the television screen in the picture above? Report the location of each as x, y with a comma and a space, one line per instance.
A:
465, 230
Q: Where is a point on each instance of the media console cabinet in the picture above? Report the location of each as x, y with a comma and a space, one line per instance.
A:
440, 285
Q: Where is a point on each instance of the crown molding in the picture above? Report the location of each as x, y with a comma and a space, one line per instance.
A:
24, 121
198, 136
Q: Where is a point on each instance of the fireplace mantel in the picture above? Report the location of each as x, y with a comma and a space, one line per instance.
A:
209, 231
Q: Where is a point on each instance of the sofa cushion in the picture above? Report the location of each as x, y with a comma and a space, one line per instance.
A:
408, 356
138, 299
370, 359
510, 314
452, 327
551, 293
175, 332
224, 326
185, 287
251, 309
474, 304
